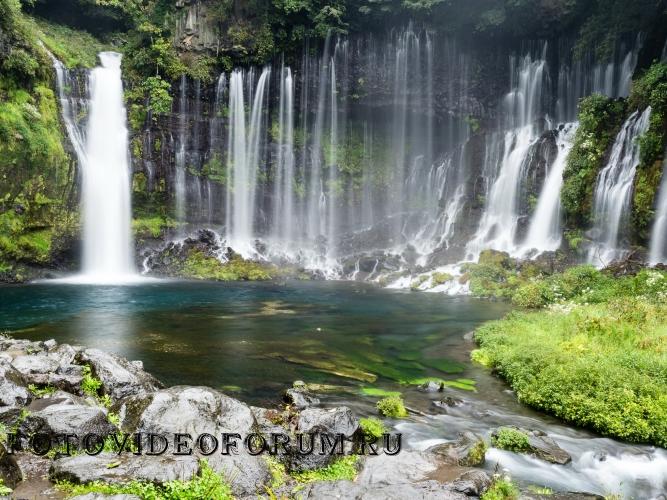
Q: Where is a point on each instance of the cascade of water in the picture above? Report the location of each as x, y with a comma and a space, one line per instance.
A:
332, 161
613, 191
180, 187
544, 233
107, 250
243, 157
498, 226
658, 247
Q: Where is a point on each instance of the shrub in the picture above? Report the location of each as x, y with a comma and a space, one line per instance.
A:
533, 295
392, 407
501, 489
90, 385
510, 439
372, 428
342, 469
440, 278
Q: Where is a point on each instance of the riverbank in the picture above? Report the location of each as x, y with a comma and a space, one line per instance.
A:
593, 353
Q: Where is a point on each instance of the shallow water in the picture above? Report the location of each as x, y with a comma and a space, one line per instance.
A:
253, 340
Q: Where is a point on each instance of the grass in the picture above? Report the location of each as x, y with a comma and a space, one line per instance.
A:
75, 48
4, 490
40, 392
343, 468
501, 488
377, 392
209, 484
151, 227
200, 266
597, 360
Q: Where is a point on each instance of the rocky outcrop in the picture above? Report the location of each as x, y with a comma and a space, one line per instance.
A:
468, 450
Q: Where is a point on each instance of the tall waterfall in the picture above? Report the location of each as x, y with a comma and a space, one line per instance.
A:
613, 191
545, 232
107, 252
658, 247
498, 226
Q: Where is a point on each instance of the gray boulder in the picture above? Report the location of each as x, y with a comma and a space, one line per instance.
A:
322, 427
426, 490
472, 483
112, 468
37, 364
195, 411
300, 399
120, 377
541, 446
13, 390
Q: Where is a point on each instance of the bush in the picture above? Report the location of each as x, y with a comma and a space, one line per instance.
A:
372, 428
510, 439
501, 489
533, 295
392, 407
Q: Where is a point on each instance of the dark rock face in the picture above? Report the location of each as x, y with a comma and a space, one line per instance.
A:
120, 378
112, 468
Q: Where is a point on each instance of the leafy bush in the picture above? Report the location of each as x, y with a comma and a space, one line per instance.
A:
392, 407
373, 428
344, 468
90, 385
501, 489
200, 266
510, 439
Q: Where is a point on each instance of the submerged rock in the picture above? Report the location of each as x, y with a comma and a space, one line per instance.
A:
120, 378
112, 468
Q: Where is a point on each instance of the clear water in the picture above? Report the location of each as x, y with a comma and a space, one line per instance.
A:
252, 340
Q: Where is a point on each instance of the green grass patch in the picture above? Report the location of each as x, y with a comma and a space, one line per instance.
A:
200, 266
208, 484
465, 384
75, 48
377, 392
151, 227
40, 392
501, 489
598, 365
343, 468
510, 439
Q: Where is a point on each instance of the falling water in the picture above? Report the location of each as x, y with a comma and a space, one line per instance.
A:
498, 226
613, 191
545, 232
658, 248
244, 151
180, 188
107, 251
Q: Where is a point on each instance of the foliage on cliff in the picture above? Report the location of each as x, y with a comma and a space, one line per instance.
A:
35, 171
650, 89
599, 120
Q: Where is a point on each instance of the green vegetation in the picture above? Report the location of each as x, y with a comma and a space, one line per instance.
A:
511, 439
90, 385
40, 392
74, 48
440, 278
200, 266
372, 428
376, 391
344, 468
476, 455
208, 484
502, 488
650, 89
392, 407
595, 358
599, 120
151, 227
4, 490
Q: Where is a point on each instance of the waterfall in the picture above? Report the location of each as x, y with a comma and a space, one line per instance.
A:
613, 191
658, 247
243, 158
180, 188
545, 232
107, 241
498, 226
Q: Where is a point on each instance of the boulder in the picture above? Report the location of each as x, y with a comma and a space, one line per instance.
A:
300, 399
467, 451
426, 490
13, 390
60, 418
406, 467
472, 483
319, 425
39, 364
541, 446
120, 378
195, 411
114, 468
